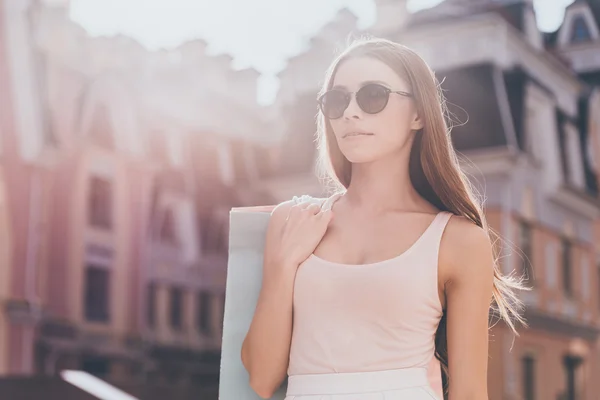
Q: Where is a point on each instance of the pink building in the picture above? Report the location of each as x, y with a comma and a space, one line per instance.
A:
118, 167
27, 156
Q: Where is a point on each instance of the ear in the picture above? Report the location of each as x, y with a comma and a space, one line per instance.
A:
417, 123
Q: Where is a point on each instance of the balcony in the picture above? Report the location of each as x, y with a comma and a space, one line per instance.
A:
565, 317
23, 311
166, 263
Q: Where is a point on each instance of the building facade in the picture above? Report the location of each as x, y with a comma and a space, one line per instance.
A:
27, 154
118, 167
531, 146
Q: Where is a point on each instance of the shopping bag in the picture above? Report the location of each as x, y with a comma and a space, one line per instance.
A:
247, 230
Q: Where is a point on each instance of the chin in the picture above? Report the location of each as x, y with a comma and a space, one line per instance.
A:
360, 157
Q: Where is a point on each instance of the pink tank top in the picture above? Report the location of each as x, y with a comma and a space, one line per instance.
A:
370, 317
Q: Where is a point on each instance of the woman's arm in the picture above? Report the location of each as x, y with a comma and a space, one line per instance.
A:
466, 262
294, 231
266, 347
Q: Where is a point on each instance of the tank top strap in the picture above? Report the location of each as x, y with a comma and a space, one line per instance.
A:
438, 226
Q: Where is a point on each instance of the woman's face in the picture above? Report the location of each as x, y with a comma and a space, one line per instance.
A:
365, 137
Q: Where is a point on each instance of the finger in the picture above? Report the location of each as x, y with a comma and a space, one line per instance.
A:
314, 208
306, 204
289, 213
325, 216
297, 210
302, 205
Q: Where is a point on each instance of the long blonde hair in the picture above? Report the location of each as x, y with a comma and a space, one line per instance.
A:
433, 166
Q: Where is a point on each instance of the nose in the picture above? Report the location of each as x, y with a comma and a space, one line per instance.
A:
353, 110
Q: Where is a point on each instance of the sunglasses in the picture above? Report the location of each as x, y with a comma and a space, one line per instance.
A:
371, 98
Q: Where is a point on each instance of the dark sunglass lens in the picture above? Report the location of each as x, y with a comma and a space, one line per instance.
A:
372, 98
334, 103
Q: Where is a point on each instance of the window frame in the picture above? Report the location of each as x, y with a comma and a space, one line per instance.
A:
94, 313
100, 202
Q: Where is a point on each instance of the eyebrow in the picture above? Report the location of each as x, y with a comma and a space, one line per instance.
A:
363, 84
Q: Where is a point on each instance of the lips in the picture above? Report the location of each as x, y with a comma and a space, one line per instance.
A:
354, 134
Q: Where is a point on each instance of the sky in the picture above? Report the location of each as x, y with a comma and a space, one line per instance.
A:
261, 34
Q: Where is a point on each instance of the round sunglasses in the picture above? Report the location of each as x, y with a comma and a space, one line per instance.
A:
371, 98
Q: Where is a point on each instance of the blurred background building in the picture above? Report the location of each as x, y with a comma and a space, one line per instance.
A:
119, 165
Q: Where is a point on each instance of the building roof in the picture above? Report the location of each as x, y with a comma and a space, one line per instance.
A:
594, 7
584, 127
511, 11
487, 108
551, 38
474, 103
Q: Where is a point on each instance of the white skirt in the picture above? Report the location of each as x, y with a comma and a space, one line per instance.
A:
398, 384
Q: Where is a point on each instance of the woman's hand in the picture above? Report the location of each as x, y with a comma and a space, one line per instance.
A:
295, 230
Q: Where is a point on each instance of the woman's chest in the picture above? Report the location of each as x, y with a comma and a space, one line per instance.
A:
364, 242
387, 290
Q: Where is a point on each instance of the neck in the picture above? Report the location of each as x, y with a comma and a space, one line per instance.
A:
384, 184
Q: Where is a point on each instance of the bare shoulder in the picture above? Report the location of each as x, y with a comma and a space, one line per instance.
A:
462, 234
466, 251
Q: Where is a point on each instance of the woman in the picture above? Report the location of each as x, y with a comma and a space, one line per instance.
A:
405, 270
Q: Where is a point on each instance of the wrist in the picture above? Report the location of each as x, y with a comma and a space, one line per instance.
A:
280, 263
278, 273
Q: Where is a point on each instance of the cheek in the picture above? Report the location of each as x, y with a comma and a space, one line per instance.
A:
336, 125
393, 126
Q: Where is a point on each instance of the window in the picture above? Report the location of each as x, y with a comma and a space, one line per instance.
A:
240, 162
226, 163
598, 280
97, 366
41, 65
575, 172
101, 131
176, 308
571, 365
580, 31
250, 162
100, 203
532, 130
96, 293
567, 275
167, 228
204, 313
551, 261
585, 278
525, 242
215, 232
151, 305
528, 366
